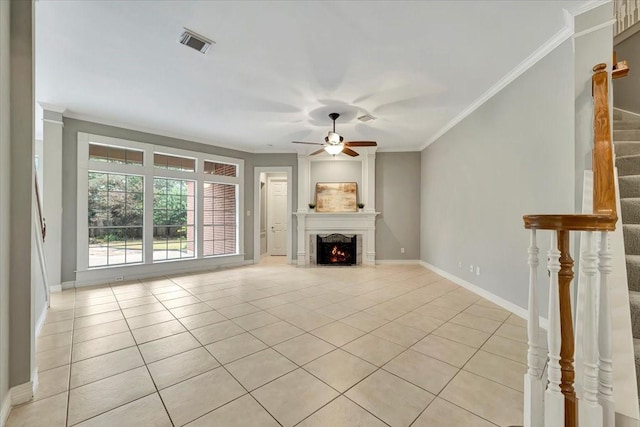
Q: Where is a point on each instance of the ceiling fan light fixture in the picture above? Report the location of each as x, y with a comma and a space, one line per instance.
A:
333, 138
334, 149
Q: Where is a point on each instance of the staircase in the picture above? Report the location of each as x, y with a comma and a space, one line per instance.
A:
626, 137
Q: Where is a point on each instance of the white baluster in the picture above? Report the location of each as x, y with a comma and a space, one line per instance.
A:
533, 385
605, 374
554, 399
590, 411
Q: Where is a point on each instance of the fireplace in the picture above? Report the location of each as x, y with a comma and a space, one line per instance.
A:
336, 249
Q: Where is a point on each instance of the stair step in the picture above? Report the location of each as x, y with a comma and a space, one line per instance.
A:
636, 350
631, 239
629, 186
630, 210
626, 124
627, 148
628, 165
634, 299
633, 272
626, 135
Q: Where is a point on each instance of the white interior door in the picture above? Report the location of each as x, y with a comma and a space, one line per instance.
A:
277, 216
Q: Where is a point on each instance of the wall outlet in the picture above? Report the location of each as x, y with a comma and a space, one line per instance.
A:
459, 264
477, 270
248, 213
119, 278
471, 268
401, 250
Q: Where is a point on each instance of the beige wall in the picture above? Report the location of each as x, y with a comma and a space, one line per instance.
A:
513, 156
398, 201
626, 91
5, 225
21, 341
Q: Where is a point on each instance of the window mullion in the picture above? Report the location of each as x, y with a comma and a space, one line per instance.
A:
148, 206
200, 210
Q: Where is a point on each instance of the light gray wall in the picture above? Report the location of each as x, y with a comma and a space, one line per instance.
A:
513, 156
22, 339
5, 174
626, 91
69, 179
335, 171
398, 201
590, 49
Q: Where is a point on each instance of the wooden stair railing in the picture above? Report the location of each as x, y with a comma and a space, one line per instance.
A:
620, 69
41, 220
559, 401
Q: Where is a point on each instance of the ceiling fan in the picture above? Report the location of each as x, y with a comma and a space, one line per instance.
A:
334, 142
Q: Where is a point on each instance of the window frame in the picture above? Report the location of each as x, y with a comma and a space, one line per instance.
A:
87, 274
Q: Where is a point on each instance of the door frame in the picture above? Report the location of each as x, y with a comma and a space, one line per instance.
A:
257, 170
269, 204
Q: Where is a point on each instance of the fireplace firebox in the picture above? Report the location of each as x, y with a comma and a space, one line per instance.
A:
336, 249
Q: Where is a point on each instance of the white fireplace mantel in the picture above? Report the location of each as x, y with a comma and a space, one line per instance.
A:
362, 223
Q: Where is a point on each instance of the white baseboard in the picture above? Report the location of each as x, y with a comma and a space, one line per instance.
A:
21, 393
55, 288
68, 285
397, 262
5, 409
103, 276
41, 318
507, 305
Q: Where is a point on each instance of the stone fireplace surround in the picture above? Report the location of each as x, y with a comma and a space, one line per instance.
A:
360, 223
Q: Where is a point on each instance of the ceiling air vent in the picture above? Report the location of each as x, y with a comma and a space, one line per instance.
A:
366, 118
195, 41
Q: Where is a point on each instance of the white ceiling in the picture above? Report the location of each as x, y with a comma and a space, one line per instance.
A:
278, 68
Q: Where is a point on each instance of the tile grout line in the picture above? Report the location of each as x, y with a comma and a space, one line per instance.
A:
222, 366
333, 320
145, 362
457, 373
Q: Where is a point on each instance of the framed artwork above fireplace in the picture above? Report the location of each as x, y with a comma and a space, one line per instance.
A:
336, 197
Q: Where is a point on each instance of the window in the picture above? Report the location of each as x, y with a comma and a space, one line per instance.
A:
222, 169
166, 161
115, 219
104, 153
147, 205
220, 225
173, 219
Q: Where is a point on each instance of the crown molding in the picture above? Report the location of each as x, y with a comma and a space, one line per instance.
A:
151, 130
560, 37
52, 107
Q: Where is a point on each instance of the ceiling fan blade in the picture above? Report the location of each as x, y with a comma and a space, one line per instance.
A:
361, 144
308, 143
317, 152
349, 152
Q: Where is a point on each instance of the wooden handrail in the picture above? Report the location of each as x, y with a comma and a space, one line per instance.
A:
604, 189
603, 218
43, 224
577, 222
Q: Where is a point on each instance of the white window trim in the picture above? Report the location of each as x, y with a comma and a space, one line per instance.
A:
86, 275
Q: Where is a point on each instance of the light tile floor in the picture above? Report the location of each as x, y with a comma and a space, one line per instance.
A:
276, 345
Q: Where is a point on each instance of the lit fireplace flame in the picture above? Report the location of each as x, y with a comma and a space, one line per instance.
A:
337, 255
